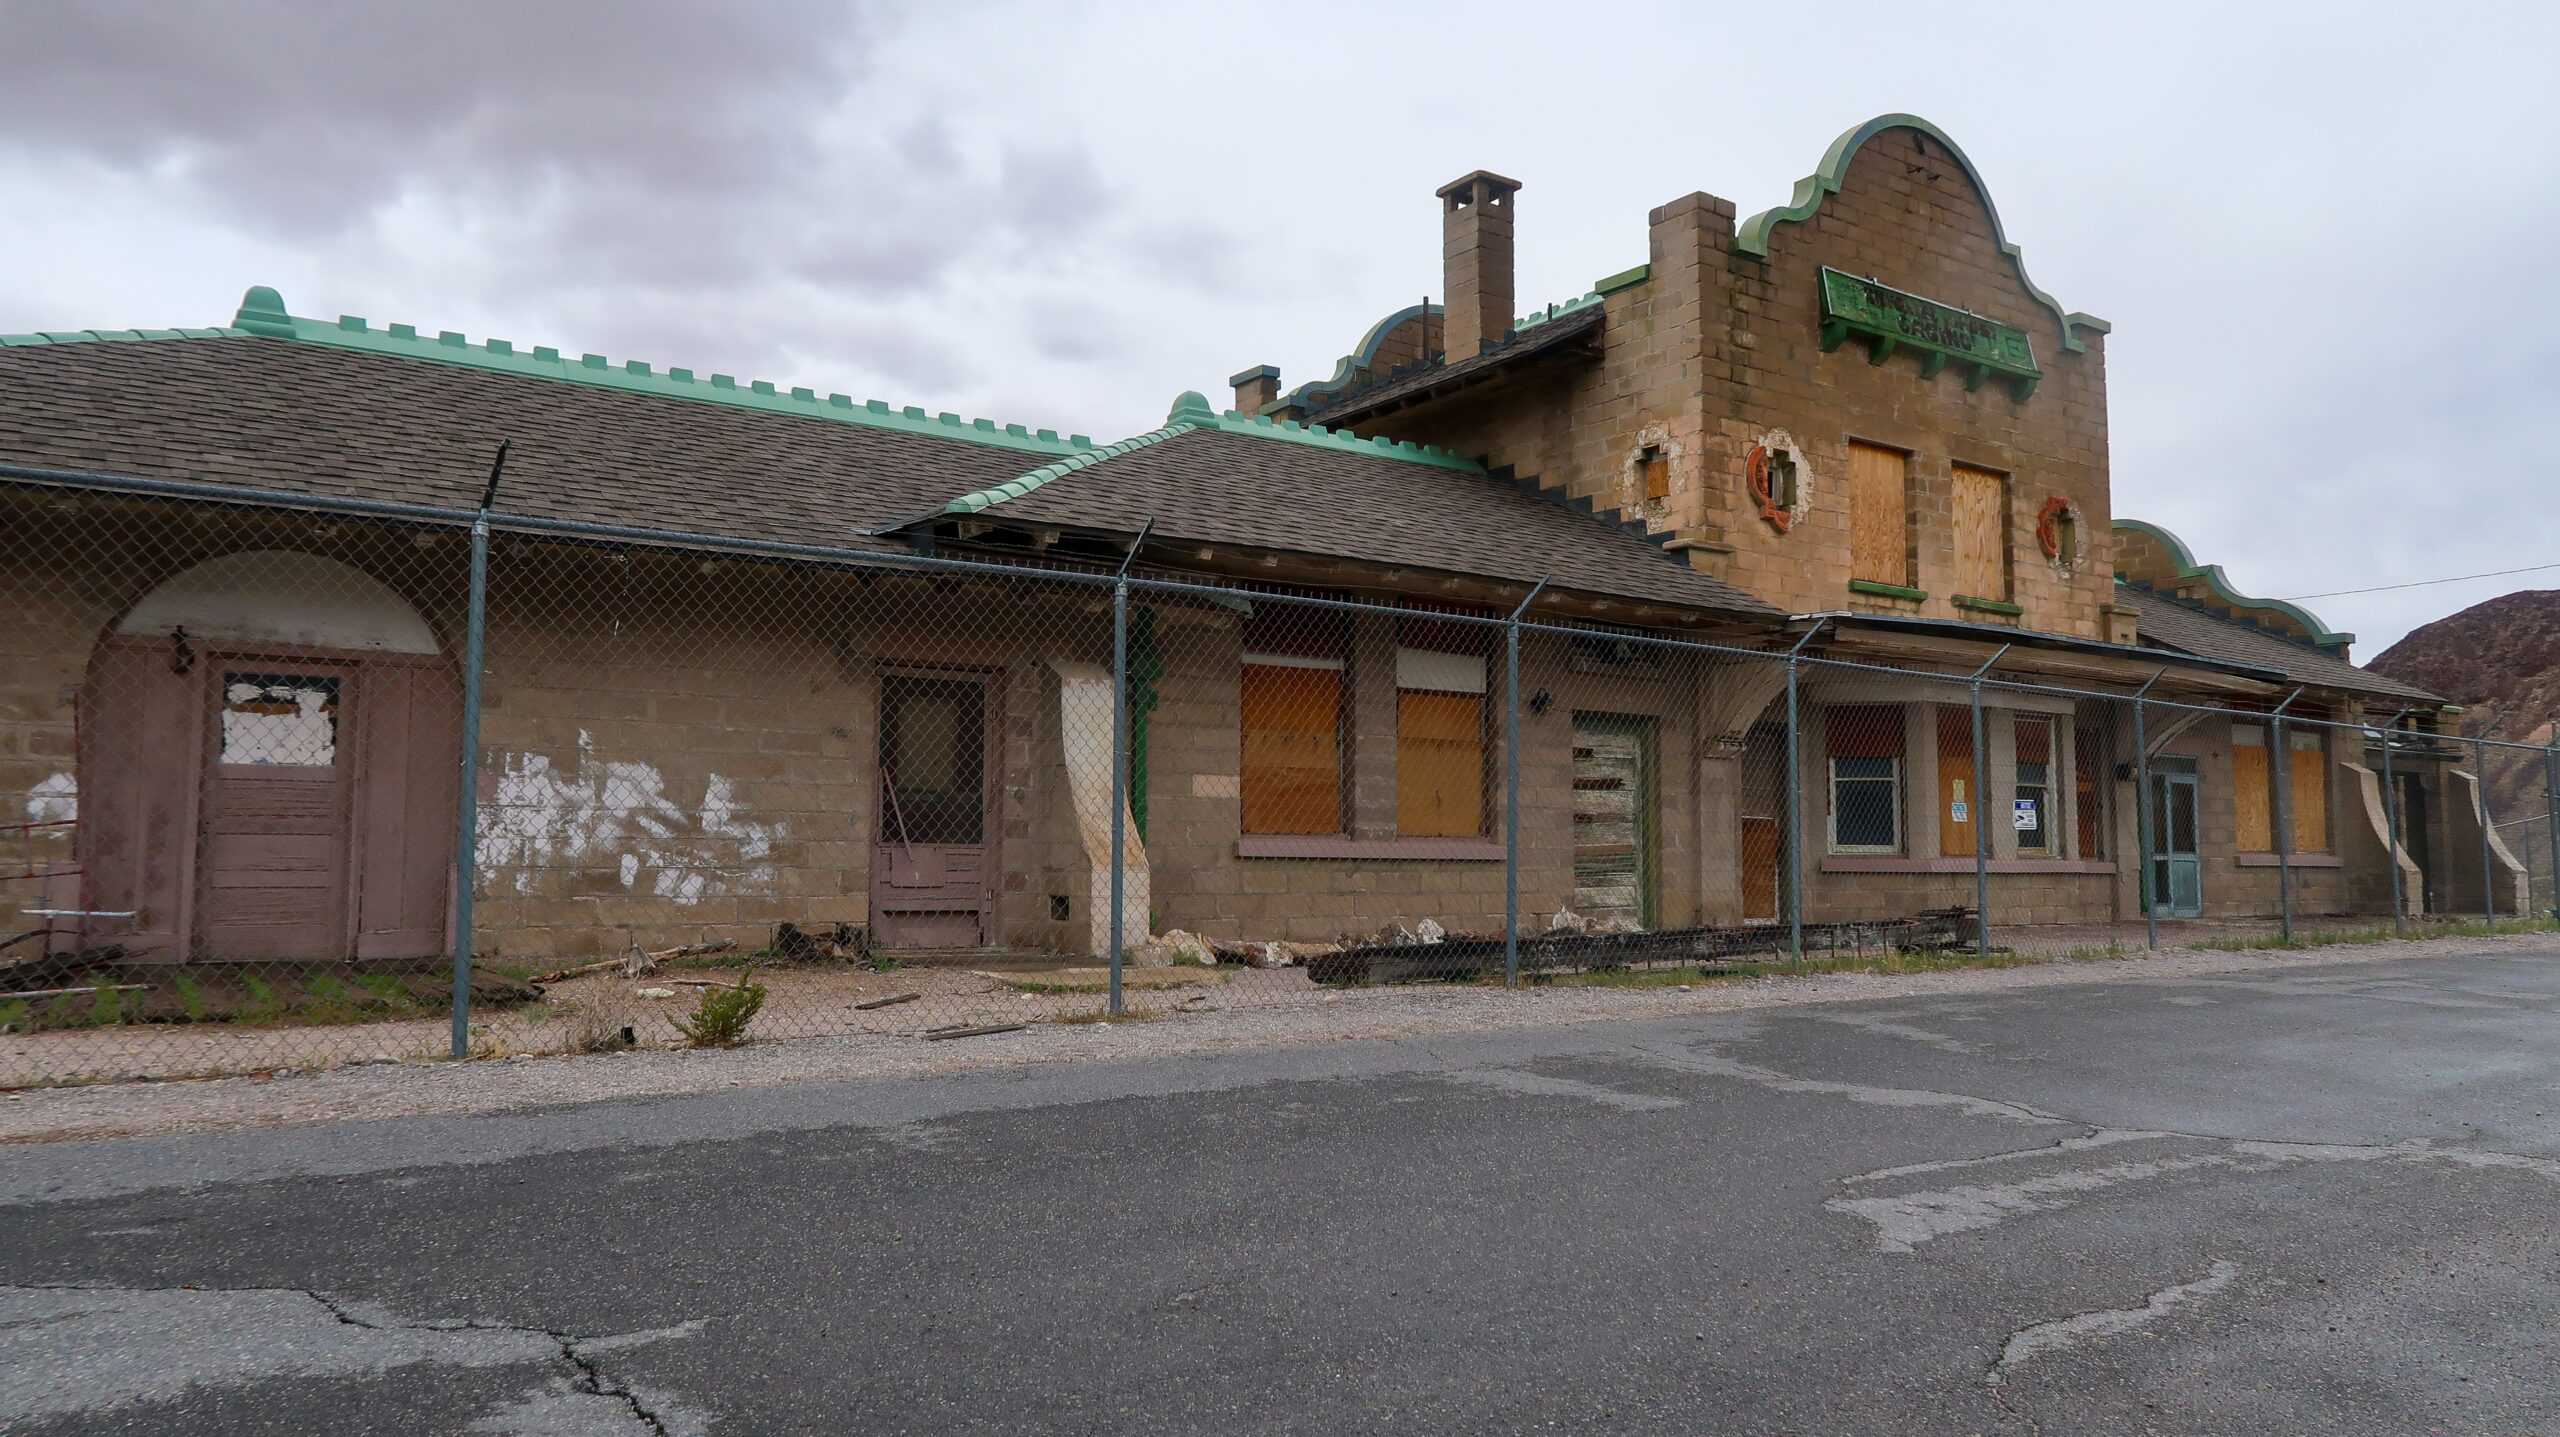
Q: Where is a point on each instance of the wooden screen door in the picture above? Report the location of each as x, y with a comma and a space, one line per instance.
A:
272, 873
931, 865
1762, 847
1613, 818
2177, 865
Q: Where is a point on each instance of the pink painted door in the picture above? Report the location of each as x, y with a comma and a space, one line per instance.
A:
930, 869
272, 871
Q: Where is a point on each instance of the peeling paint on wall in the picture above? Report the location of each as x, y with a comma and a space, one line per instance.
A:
618, 811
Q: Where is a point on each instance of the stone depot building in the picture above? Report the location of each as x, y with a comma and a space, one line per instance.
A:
230, 706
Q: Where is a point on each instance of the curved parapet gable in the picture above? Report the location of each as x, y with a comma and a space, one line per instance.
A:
2162, 560
1355, 367
1754, 235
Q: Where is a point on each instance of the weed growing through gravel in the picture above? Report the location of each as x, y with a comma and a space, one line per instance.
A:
721, 1015
2335, 937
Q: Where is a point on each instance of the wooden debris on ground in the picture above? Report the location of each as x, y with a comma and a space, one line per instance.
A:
636, 955
944, 1035
891, 1001
71, 992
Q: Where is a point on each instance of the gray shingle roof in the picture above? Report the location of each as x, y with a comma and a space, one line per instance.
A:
2161, 621
1213, 484
311, 418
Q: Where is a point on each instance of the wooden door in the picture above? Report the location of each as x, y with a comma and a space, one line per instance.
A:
272, 867
932, 869
1613, 818
1760, 855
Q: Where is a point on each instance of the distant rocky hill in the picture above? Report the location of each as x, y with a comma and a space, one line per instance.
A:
2500, 660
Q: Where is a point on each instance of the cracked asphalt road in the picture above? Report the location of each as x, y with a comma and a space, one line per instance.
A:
2318, 1201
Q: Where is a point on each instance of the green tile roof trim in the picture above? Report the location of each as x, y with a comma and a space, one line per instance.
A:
1191, 413
262, 313
1813, 189
2316, 633
1540, 316
1623, 279
1024, 483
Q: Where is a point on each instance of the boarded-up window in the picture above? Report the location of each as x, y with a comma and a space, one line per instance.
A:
1656, 467
1292, 760
1440, 746
1879, 514
1864, 746
2310, 795
2088, 754
1959, 802
1981, 512
2252, 789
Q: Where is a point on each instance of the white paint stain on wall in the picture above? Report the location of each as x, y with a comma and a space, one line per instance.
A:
618, 812
55, 800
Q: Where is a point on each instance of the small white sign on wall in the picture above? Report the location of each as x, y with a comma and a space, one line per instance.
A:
2023, 817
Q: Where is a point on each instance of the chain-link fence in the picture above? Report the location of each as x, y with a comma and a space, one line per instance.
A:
313, 780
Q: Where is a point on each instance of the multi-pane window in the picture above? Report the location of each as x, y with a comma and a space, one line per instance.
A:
1440, 744
1291, 779
2031, 799
1863, 743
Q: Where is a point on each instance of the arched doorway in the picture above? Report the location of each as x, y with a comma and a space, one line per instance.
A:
267, 762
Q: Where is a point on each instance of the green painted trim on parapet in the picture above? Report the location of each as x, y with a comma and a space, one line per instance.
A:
1989, 606
1290, 431
112, 336
1754, 235
1883, 590
2212, 576
1350, 367
1623, 279
262, 314
1554, 311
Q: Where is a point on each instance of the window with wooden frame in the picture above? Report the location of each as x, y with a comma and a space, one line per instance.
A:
1959, 799
1879, 514
1980, 510
1655, 467
1291, 779
1863, 746
2253, 793
2088, 754
1440, 744
2031, 799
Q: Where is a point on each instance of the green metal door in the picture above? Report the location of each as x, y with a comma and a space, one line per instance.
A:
2177, 863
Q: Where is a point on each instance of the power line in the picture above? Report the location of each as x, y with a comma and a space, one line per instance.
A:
2422, 583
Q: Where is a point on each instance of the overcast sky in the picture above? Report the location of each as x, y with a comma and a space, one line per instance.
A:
2324, 232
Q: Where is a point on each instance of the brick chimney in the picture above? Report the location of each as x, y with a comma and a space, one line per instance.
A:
1255, 388
1475, 260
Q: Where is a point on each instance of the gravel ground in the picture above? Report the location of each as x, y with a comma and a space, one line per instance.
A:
411, 1088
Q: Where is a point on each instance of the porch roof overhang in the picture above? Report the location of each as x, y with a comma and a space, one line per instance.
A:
1954, 638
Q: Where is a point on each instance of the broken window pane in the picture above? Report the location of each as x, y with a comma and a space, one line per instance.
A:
280, 720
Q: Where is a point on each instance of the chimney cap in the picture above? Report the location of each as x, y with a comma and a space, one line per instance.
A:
1501, 182
1259, 371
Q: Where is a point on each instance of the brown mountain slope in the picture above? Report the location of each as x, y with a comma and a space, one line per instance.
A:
2500, 660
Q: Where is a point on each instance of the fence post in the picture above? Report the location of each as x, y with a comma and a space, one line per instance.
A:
1119, 774
2142, 819
2480, 797
475, 635
2280, 763
1982, 829
1511, 788
2551, 807
1795, 804
2391, 825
